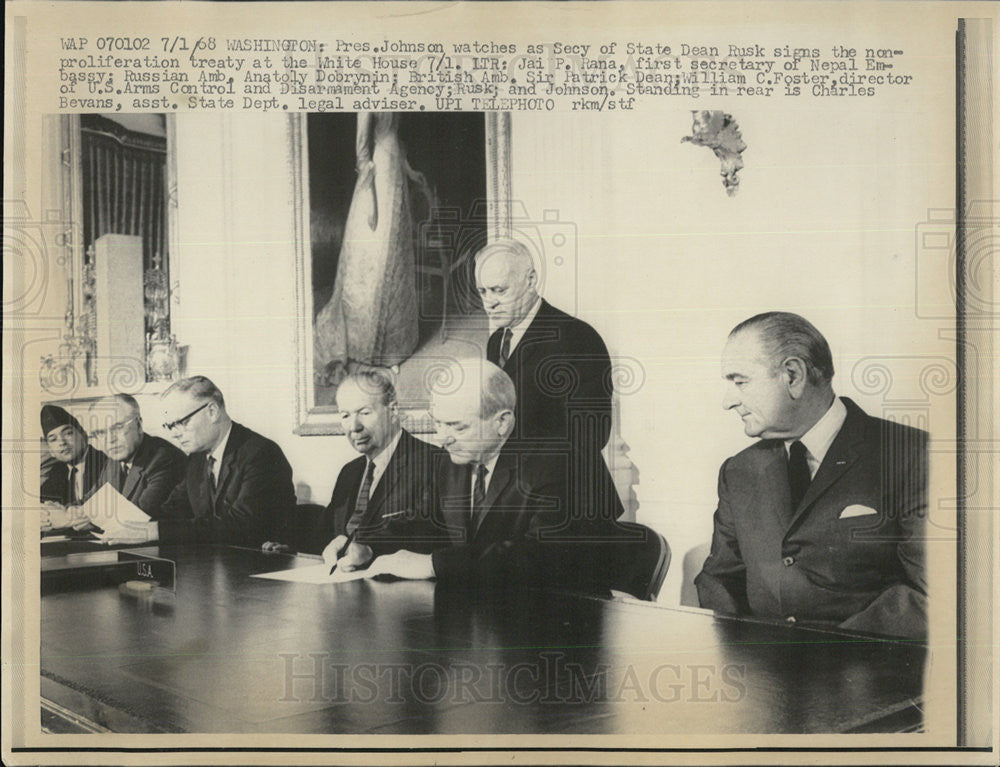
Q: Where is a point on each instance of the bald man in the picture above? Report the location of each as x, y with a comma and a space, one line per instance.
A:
560, 368
507, 508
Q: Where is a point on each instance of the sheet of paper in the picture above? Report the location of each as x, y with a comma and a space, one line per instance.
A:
108, 504
314, 574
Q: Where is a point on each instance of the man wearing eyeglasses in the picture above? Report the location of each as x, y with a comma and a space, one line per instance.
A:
237, 486
145, 469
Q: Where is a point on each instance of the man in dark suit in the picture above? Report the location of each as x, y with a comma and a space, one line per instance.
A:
822, 521
144, 469
237, 487
506, 507
71, 474
559, 365
385, 496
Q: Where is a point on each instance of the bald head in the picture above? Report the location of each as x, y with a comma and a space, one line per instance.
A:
506, 281
472, 402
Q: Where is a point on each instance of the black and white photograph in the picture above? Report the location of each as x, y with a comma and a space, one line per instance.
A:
569, 382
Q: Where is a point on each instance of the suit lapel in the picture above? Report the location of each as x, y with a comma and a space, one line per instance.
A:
503, 474
135, 470
772, 496
228, 459
843, 453
455, 499
132, 479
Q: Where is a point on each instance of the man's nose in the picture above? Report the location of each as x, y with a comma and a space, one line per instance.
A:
729, 398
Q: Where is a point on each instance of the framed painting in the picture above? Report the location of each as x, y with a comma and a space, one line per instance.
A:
390, 209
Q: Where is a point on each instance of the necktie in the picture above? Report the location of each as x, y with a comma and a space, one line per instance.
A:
478, 498
498, 348
505, 346
798, 473
74, 496
361, 505
122, 475
211, 473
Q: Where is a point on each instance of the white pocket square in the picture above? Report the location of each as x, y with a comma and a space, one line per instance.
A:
857, 510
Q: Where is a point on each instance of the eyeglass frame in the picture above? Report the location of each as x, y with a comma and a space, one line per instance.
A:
117, 428
182, 422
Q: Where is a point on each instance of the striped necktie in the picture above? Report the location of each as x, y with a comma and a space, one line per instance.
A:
364, 495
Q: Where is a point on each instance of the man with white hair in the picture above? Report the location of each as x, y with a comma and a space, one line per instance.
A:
559, 364
560, 368
144, 468
507, 508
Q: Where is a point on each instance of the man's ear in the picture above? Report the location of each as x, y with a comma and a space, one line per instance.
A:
796, 373
504, 422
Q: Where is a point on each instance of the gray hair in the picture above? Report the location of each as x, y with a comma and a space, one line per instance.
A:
199, 387
121, 398
784, 335
515, 249
497, 391
374, 381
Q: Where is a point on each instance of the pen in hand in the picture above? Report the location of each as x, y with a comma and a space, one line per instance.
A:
350, 539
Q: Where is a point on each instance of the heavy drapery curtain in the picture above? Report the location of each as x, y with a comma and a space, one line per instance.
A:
124, 188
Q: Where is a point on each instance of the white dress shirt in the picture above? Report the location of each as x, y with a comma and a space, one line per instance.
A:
218, 452
381, 461
818, 439
517, 331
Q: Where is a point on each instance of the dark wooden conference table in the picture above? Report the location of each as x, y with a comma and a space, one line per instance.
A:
230, 653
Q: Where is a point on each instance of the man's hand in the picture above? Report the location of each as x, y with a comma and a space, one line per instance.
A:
131, 533
357, 555
56, 516
403, 564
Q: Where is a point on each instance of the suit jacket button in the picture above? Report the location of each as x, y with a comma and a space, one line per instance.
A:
788, 561
790, 619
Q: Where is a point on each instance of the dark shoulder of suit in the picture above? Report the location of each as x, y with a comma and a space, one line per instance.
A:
154, 449
55, 484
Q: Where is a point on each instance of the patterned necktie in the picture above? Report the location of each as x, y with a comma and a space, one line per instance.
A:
364, 495
498, 348
478, 498
211, 473
74, 496
505, 346
798, 473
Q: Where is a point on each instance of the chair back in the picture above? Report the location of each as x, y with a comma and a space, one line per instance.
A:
641, 560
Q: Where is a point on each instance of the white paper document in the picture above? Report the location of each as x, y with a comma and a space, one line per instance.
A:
107, 505
314, 574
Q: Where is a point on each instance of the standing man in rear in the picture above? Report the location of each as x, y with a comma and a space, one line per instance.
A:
560, 368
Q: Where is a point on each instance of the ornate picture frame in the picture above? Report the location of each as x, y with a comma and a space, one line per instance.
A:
313, 418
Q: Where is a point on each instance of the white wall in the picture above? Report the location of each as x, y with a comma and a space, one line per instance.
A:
236, 269
667, 264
